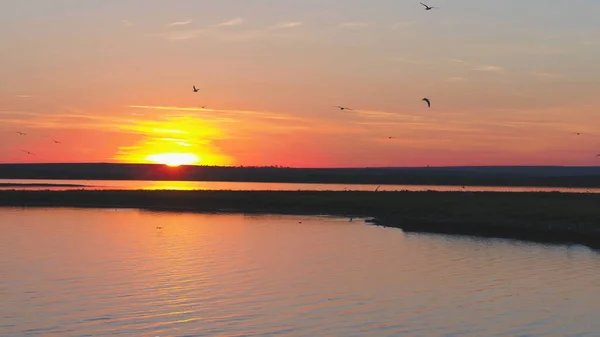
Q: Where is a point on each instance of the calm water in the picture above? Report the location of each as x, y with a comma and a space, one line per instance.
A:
68, 272
246, 186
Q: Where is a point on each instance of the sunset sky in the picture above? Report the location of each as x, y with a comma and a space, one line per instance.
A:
511, 82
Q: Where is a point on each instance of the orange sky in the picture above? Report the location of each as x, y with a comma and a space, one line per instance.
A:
113, 83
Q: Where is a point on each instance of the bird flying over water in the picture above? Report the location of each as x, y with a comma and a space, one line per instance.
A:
29, 153
195, 89
342, 107
21, 133
427, 8
202, 106
427, 101
56, 142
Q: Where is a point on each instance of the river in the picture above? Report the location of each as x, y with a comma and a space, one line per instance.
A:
75, 272
39, 184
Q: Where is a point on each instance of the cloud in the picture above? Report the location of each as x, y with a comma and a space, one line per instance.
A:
184, 35
232, 22
258, 114
291, 24
180, 23
490, 69
456, 79
400, 25
456, 61
354, 25
545, 74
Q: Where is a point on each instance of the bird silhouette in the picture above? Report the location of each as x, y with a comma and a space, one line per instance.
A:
342, 107
29, 153
56, 142
427, 101
21, 133
195, 89
427, 8
202, 106
159, 228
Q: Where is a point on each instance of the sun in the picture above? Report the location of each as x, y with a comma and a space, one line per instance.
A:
174, 159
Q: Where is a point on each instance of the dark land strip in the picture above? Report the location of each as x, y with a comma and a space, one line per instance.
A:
563, 218
30, 185
534, 176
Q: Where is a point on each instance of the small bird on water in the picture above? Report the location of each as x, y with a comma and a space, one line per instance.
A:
426, 100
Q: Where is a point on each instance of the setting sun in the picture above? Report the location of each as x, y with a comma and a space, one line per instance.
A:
174, 159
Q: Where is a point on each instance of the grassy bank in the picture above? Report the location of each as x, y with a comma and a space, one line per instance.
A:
548, 217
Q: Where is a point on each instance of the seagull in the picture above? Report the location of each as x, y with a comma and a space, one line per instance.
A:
427, 8
159, 228
342, 108
203, 106
195, 90
56, 142
29, 153
21, 133
427, 101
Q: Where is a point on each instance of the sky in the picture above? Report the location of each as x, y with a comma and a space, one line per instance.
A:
511, 82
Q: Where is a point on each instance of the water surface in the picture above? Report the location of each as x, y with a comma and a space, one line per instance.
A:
68, 272
38, 184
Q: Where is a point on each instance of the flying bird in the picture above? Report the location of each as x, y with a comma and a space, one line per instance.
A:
427, 8
21, 133
342, 107
56, 142
203, 106
427, 101
195, 89
29, 153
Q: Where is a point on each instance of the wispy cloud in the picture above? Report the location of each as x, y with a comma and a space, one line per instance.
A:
180, 23
232, 22
290, 24
258, 114
401, 25
184, 35
354, 25
490, 69
545, 74
127, 23
456, 79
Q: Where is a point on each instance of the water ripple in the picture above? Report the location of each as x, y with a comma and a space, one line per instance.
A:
101, 273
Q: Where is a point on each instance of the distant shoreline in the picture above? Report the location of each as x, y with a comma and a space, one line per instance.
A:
562, 218
542, 176
39, 185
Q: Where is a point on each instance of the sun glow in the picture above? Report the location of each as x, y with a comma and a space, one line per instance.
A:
174, 159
